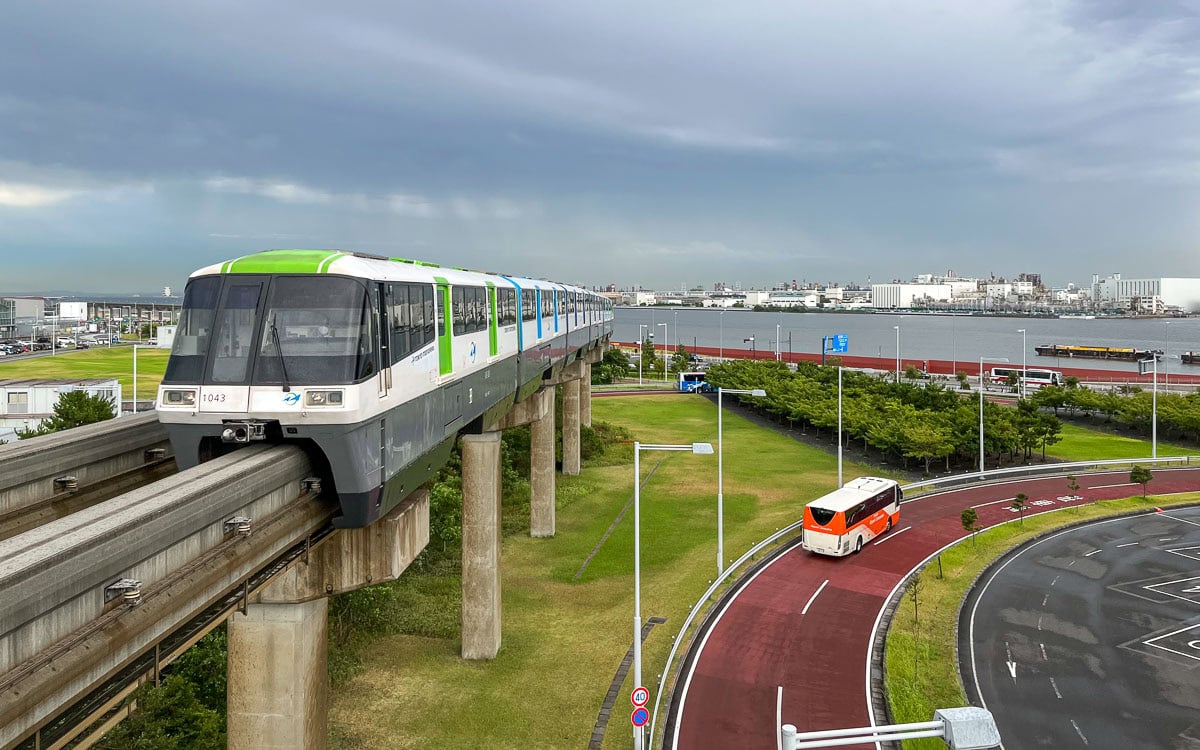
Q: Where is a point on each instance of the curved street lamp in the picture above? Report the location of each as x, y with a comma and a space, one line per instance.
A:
757, 393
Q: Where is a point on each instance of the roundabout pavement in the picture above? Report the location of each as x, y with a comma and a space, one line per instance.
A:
1090, 637
791, 645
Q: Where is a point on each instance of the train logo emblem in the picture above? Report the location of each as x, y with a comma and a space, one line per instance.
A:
472, 352
291, 398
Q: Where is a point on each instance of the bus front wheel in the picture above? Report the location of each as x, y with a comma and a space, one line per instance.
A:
858, 545
889, 525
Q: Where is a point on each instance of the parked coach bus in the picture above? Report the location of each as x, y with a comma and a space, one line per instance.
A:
1034, 378
844, 520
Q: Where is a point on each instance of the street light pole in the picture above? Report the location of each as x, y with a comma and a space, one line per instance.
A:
697, 448
776, 342
981, 454
839, 426
757, 393
666, 354
1024, 369
897, 353
641, 350
721, 319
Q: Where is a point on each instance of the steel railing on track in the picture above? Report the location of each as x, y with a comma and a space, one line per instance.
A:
69, 648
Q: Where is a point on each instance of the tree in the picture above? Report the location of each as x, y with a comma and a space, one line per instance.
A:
1012, 381
911, 372
968, 518
962, 381
1141, 475
74, 409
614, 365
1018, 504
1072, 484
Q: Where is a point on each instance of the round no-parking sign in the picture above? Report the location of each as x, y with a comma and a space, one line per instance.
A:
640, 716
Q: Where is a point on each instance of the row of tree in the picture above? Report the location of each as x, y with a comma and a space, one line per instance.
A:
907, 420
1130, 406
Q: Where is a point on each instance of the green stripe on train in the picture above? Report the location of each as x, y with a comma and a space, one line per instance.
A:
445, 326
284, 261
493, 339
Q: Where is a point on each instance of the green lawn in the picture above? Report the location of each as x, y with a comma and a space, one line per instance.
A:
100, 362
922, 669
564, 638
1082, 444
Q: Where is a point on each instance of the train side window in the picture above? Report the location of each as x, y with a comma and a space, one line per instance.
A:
430, 320
528, 305
479, 322
458, 311
416, 316
399, 322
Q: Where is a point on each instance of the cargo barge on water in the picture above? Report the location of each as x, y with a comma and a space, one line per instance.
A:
1123, 354
1190, 358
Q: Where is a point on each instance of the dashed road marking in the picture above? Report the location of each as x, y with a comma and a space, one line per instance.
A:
892, 535
814, 597
1106, 486
1055, 580
1043, 647
1054, 685
1092, 553
1129, 544
1079, 731
994, 502
1045, 599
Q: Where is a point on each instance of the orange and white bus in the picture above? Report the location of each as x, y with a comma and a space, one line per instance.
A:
844, 520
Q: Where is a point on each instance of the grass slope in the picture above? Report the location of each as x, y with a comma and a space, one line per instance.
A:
564, 638
101, 362
1081, 444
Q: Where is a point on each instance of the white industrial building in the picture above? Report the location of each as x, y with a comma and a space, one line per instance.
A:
902, 296
1150, 295
24, 404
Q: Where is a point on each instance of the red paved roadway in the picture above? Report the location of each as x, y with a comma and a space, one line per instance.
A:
762, 641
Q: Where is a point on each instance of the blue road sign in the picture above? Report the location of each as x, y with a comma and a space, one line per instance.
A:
840, 343
640, 716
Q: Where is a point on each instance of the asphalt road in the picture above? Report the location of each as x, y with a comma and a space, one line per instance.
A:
1090, 638
792, 646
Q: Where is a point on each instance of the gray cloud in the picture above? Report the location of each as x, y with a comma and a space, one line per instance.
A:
596, 142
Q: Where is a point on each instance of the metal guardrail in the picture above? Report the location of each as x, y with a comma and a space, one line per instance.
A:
958, 480
931, 486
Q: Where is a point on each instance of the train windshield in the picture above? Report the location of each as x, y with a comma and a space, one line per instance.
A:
190, 349
316, 330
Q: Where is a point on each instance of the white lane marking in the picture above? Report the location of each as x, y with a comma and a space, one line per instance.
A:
703, 641
1079, 731
813, 597
1177, 518
1129, 544
1169, 539
1055, 580
1151, 642
1039, 622
1045, 599
1092, 553
1054, 685
1106, 486
1043, 647
779, 719
994, 502
1012, 665
892, 535
1070, 563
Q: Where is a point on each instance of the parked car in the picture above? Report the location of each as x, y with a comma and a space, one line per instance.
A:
66, 341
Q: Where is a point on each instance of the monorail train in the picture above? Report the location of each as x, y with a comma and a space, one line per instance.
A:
379, 363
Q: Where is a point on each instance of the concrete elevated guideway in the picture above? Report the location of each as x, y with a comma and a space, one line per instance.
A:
1090, 637
246, 537
804, 624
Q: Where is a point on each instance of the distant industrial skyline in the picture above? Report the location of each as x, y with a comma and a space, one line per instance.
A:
617, 142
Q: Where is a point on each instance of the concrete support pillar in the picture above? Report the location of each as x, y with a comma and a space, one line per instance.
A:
585, 395
570, 427
481, 546
541, 473
278, 683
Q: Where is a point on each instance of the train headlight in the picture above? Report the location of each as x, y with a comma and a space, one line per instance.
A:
179, 398
323, 398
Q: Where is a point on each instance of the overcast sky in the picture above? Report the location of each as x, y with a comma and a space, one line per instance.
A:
660, 143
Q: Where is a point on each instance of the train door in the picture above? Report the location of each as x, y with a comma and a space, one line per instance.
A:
381, 303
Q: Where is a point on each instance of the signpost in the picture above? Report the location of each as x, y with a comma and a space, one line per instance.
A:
838, 343
640, 716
